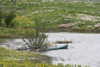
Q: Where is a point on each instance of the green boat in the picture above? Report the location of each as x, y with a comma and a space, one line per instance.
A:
56, 48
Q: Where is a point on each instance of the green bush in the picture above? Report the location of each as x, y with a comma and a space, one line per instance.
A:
35, 40
8, 19
1, 16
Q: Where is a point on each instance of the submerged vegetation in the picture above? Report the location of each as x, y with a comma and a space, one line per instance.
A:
63, 41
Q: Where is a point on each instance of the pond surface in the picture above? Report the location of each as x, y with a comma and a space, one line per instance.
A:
82, 0
84, 49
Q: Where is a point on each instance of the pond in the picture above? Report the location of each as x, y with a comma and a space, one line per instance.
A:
82, 0
84, 49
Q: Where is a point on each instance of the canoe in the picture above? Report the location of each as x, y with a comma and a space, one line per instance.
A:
46, 49
56, 48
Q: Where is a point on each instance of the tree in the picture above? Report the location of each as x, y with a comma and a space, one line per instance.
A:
8, 19
0, 17
7, 12
34, 39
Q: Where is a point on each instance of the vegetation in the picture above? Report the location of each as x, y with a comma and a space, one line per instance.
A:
8, 19
11, 32
9, 56
37, 65
18, 18
1, 17
35, 40
58, 15
63, 41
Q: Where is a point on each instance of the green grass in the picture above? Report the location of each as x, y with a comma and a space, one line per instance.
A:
13, 31
37, 65
10, 56
52, 14
57, 12
63, 41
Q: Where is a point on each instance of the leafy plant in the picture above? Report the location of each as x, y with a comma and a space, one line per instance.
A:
8, 19
35, 39
63, 41
1, 16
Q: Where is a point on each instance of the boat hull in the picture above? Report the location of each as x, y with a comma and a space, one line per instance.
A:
56, 48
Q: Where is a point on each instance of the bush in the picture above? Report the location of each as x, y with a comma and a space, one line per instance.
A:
1, 16
35, 40
8, 19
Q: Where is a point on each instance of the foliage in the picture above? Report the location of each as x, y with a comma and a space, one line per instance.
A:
63, 41
8, 19
11, 32
1, 17
55, 13
35, 39
36, 65
10, 56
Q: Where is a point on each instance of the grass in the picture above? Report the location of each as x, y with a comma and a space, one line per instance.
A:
63, 41
8, 32
59, 12
74, 15
36, 65
10, 56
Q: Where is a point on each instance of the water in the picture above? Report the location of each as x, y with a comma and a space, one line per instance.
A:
81, 0
84, 49
13, 44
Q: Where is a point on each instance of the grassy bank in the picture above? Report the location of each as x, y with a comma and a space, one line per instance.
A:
71, 16
13, 32
37, 65
58, 15
9, 56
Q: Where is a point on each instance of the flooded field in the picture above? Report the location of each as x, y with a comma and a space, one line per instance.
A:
84, 49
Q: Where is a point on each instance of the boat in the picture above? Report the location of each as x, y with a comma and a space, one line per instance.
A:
55, 48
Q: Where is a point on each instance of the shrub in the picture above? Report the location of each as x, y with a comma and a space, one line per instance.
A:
35, 39
1, 16
8, 19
